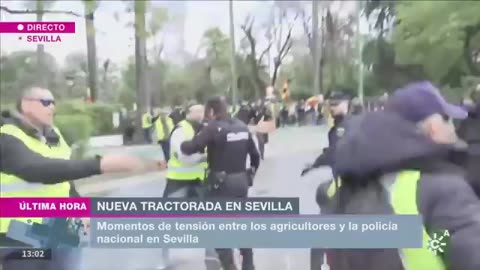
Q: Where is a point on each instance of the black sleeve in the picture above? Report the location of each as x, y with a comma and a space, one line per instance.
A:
199, 142
18, 160
253, 153
324, 159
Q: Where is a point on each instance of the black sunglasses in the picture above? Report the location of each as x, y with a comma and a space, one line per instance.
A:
45, 102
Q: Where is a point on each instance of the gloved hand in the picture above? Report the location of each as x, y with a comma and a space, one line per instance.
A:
306, 170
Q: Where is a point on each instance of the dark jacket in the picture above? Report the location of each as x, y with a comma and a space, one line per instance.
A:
334, 135
469, 131
222, 155
381, 143
17, 159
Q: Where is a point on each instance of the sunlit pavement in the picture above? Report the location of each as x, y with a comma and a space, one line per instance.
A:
289, 150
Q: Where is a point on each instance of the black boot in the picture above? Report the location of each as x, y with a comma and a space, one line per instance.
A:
247, 259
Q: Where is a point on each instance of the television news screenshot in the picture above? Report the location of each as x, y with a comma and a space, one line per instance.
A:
239, 135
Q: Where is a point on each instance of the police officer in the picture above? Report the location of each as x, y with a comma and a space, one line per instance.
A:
339, 105
228, 143
36, 163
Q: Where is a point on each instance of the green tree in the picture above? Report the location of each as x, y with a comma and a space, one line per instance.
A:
438, 36
18, 70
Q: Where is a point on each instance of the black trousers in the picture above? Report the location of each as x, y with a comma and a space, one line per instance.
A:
233, 187
261, 144
165, 149
189, 189
147, 133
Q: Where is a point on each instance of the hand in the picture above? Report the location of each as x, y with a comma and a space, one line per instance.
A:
306, 170
162, 165
116, 163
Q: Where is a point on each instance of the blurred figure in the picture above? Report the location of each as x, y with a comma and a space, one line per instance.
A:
396, 162
469, 131
176, 115
356, 107
283, 116
300, 109
262, 113
244, 113
128, 128
163, 127
147, 125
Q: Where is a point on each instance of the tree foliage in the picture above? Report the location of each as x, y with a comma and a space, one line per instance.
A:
437, 35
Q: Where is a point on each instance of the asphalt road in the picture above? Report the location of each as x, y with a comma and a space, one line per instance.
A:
289, 150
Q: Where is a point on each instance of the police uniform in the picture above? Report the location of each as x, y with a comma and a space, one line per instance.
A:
336, 132
228, 143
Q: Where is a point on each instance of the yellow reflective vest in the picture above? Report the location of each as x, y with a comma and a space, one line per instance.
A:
179, 171
13, 186
163, 132
146, 120
404, 202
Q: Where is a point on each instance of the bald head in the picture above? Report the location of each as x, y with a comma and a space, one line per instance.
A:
37, 105
196, 113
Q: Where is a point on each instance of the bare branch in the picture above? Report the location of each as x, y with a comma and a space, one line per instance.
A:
287, 50
264, 52
28, 11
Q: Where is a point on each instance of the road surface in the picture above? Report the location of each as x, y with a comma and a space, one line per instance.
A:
290, 149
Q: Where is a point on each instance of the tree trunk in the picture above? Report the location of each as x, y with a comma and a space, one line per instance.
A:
316, 58
91, 53
322, 56
232, 55
42, 77
140, 69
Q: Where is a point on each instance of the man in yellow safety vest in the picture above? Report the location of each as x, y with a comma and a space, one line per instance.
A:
147, 124
185, 174
35, 162
396, 162
163, 127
